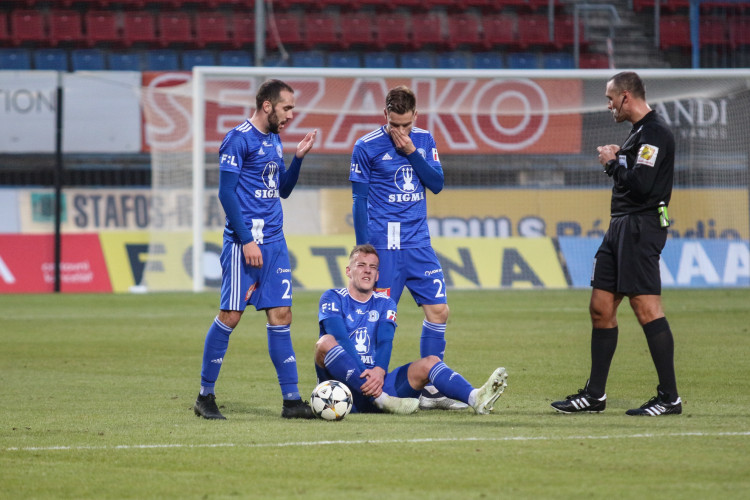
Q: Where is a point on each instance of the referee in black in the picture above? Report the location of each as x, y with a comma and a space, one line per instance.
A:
627, 262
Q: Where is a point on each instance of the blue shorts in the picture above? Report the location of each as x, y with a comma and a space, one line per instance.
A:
416, 268
396, 384
264, 287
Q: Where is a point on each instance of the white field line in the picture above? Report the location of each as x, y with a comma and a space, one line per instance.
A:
371, 441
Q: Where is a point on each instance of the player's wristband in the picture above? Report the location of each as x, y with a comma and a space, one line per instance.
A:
610, 167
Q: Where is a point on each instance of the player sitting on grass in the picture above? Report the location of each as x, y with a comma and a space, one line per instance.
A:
356, 338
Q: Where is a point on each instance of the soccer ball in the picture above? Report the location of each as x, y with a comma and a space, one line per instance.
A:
331, 400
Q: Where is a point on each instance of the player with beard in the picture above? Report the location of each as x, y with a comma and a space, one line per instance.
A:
627, 262
254, 259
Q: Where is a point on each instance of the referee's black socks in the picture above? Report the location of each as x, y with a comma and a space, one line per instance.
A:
661, 346
603, 345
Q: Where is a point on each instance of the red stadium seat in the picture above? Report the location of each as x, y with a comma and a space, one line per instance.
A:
499, 29
427, 30
464, 29
101, 27
392, 31
65, 26
322, 28
565, 32
357, 29
139, 27
533, 30
284, 27
211, 29
4, 31
713, 31
28, 26
593, 61
674, 32
243, 30
175, 28
739, 32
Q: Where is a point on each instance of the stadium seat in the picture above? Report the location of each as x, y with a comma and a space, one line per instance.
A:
192, 58
674, 32
286, 27
428, 31
392, 31
453, 60
488, 60
464, 30
28, 26
162, 60
52, 59
416, 60
139, 27
593, 61
357, 30
4, 31
713, 31
276, 61
533, 31
344, 60
65, 26
499, 29
308, 59
101, 27
125, 61
211, 29
523, 60
322, 29
380, 60
565, 32
175, 28
235, 58
15, 59
243, 30
87, 60
558, 60
739, 32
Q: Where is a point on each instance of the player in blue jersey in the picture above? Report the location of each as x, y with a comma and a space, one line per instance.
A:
254, 259
356, 335
390, 169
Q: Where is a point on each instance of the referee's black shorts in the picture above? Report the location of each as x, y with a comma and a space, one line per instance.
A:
627, 261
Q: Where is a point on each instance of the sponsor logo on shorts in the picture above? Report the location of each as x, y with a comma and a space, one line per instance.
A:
433, 271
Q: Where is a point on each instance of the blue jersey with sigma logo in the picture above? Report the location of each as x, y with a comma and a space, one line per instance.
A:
397, 209
258, 158
361, 318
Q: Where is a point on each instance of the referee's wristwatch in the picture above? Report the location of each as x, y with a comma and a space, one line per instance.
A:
610, 167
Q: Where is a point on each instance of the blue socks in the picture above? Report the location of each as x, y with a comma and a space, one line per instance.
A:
344, 368
217, 340
432, 342
450, 383
282, 355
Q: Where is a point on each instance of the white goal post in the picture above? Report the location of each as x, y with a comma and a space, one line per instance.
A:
511, 128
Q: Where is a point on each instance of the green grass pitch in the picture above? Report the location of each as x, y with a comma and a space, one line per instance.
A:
97, 394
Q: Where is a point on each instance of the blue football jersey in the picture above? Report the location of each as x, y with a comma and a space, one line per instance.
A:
258, 158
397, 209
361, 318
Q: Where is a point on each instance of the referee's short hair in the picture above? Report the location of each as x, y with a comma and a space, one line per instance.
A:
630, 81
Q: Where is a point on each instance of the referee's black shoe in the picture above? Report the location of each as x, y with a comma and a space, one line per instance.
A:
296, 408
205, 406
658, 405
581, 402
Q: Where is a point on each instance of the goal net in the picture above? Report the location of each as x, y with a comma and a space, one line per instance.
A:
518, 149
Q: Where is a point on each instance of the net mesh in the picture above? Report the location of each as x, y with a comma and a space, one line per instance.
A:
518, 149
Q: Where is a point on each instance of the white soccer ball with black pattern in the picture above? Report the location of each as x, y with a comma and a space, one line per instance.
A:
331, 400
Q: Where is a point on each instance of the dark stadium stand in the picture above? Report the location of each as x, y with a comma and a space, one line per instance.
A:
345, 33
